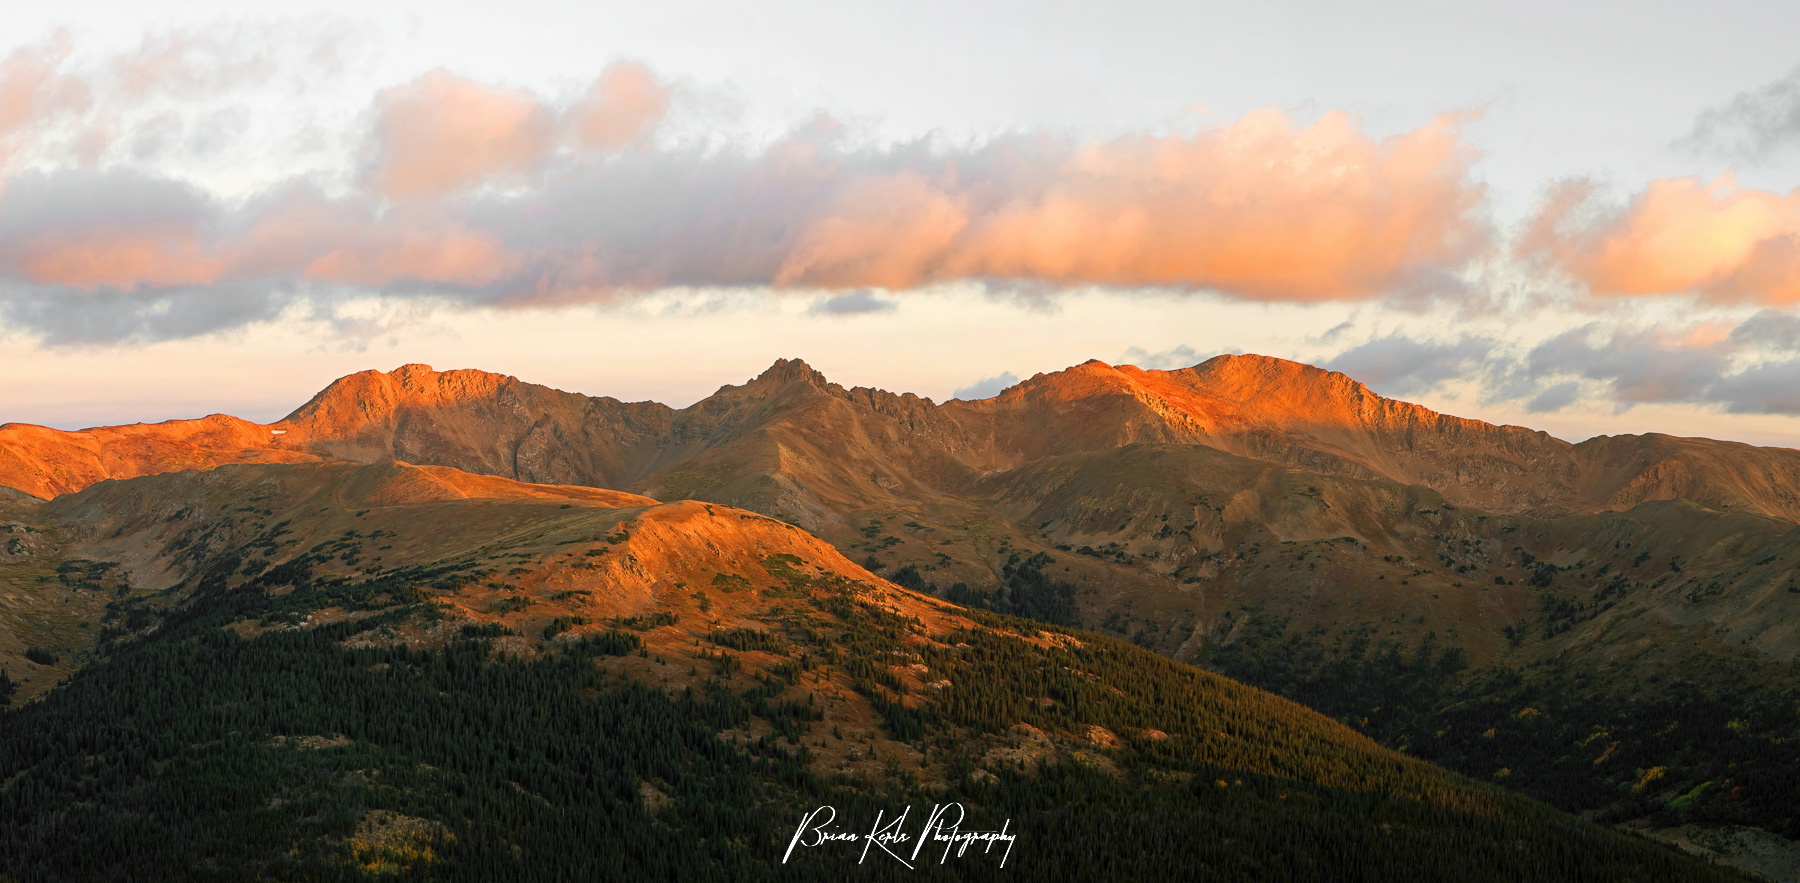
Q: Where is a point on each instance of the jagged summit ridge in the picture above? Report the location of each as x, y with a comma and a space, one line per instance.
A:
792, 371
367, 393
794, 444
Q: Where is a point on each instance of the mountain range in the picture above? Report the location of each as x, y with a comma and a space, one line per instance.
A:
819, 433
1606, 626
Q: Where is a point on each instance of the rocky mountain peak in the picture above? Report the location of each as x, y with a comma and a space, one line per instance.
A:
786, 371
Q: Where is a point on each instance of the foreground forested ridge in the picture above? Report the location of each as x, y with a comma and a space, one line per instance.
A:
315, 701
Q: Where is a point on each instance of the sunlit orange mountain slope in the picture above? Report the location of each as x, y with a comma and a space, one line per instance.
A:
792, 443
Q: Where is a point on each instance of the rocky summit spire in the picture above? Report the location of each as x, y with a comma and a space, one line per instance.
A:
786, 371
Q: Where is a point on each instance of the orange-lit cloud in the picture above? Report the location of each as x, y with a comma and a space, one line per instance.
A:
622, 106
1262, 208
452, 257
441, 132
494, 195
125, 261
1679, 236
32, 87
890, 231
303, 235
23, 78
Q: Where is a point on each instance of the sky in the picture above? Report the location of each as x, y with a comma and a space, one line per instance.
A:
1578, 217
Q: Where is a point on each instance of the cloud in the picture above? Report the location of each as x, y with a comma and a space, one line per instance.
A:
1260, 208
70, 241
1555, 398
1332, 334
1743, 367
986, 387
1769, 328
621, 108
480, 193
119, 260
1764, 389
1702, 364
178, 100
115, 230
74, 202
450, 256
1182, 356
109, 316
1678, 235
1757, 123
192, 63
1338, 216
855, 303
34, 87
1639, 367
1397, 365
442, 132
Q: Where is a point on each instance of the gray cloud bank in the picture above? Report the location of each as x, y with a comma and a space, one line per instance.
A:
1650, 367
1399, 366
987, 387
1755, 125
856, 303
1751, 368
